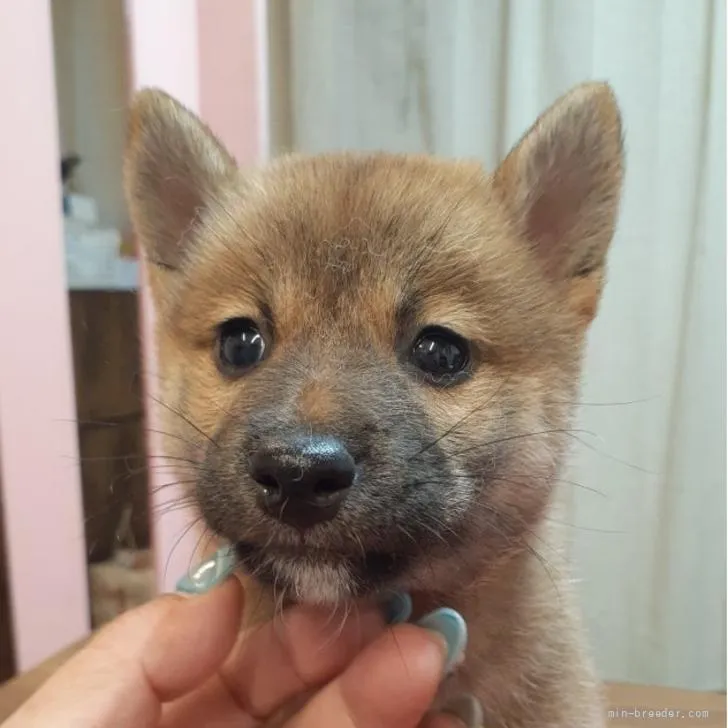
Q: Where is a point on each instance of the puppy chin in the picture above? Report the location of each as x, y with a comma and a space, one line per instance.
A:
310, 583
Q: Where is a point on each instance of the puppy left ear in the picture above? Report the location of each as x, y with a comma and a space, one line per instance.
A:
174, 169
561, 185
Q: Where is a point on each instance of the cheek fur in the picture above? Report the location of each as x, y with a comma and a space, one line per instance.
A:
460, 493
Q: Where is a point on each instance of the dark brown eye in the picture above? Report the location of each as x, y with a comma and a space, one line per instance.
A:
240, 345
440, 353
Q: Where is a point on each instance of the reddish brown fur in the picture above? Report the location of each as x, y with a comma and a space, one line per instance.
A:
345, 255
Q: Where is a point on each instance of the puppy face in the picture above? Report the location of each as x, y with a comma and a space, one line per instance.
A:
368, 361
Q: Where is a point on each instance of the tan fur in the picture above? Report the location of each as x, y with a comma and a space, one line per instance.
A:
322, 250
315, 403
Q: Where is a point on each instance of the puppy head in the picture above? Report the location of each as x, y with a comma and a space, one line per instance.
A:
369, 360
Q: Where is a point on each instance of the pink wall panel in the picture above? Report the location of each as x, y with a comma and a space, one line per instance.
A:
233, 75
38, 443
210, 54
164, 53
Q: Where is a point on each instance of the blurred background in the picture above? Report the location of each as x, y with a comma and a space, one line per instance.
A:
81, 540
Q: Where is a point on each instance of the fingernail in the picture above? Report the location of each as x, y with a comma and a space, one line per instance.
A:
397, 607
466, 709
209, 573
451, 626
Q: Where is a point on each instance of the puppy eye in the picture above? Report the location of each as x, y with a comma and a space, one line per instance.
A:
240, 345
440, 353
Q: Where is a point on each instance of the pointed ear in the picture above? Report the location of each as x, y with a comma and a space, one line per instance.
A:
562, 183
174, 167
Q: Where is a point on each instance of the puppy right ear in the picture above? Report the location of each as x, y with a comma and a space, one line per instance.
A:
174, 168
562, 184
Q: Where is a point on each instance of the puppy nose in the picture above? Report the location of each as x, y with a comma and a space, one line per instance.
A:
303, 481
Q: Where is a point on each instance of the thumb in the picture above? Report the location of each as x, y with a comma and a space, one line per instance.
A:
147, 657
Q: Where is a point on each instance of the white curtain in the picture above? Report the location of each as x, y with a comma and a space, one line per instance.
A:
466, 78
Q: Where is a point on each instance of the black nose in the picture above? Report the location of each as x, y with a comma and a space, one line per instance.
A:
304, 480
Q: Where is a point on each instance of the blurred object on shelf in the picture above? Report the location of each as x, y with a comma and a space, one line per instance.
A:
125, 581
128, 246
68, 166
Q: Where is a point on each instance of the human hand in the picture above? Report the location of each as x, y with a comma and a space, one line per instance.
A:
182, 662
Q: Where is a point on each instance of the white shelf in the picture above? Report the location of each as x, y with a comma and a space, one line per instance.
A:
123, 277
93, 262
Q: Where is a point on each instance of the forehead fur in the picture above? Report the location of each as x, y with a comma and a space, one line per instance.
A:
361, 241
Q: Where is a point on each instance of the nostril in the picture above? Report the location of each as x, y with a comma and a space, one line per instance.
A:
264, 476
267, 481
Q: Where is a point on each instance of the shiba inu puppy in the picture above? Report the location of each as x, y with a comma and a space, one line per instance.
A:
370, 362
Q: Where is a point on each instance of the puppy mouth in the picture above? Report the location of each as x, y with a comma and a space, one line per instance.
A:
317, 575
